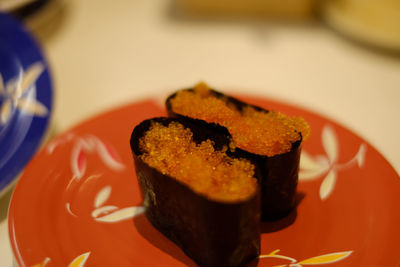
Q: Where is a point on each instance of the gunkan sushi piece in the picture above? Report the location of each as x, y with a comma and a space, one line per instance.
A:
271, 140
204, 200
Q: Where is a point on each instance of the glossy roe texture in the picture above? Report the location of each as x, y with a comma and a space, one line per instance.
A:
171, 150
256, 131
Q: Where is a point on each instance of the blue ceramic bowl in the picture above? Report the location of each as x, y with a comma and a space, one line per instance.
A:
25, 98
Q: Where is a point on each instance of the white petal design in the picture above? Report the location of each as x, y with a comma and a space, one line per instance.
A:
88, 143
43, 263
80, 260
122, 214
308, 163
105, 209
102, 196
5, 111
52, 146
322, 160
361, 155
78, 161
329, 141
31, 75
308, 175
12, 87
32, 106
107, 157
327, 185
68, 207
58, 141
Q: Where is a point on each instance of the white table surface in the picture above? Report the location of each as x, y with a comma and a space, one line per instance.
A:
106, 53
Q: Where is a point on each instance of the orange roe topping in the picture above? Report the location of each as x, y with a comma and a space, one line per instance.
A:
259, 132
171, 150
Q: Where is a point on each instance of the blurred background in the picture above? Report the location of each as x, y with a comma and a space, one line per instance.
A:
339, 58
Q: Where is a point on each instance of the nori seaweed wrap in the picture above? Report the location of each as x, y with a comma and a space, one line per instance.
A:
212, 232
278, 170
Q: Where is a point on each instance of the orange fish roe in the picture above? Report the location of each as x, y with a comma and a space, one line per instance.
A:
259, 132
171, 150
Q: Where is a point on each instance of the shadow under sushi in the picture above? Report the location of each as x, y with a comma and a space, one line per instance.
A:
157, 239
284, 222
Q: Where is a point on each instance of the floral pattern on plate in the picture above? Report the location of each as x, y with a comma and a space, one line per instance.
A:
314, 167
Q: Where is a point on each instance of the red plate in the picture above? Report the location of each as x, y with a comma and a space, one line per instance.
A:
78, 202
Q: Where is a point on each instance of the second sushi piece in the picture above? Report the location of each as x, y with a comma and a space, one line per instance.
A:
271, 140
